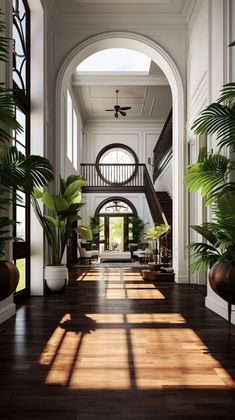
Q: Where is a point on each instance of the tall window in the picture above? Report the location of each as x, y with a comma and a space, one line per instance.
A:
21, 86
72, 132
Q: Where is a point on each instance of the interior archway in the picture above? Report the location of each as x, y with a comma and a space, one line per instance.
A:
167, 65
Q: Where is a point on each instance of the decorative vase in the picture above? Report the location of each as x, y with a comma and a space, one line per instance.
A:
56, 277
9, 278
222, 280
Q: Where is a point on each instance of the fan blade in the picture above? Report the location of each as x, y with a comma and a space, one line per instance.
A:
110, 110
125, 108
123, 113
116, 115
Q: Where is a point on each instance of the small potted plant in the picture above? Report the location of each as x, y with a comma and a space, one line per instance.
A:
155, 233
58, 225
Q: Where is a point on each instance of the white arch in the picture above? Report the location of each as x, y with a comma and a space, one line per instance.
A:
165, 62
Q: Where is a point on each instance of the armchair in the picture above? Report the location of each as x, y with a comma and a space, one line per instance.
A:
85, 255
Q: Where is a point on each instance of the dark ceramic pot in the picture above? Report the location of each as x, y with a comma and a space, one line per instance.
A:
9, 279
222, 280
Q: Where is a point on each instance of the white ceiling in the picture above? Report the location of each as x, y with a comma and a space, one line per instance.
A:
167, 11
148, 96
119, 6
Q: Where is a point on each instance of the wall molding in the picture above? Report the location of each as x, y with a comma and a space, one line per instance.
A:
7, 309
198, 99
220, 308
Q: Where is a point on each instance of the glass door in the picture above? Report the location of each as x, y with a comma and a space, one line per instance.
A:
116, 233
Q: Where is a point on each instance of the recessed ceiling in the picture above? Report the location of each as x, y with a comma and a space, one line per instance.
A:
148, 95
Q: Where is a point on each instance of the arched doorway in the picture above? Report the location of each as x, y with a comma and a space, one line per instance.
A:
164, 61
115, 216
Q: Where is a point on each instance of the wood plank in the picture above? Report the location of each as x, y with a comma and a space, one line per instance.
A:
113, 346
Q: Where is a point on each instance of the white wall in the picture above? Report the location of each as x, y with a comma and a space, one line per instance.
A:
208, 65
164, 181
140, 137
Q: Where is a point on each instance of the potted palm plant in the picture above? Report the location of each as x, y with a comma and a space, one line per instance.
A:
155, 233
58, 225
212, 176
17, 172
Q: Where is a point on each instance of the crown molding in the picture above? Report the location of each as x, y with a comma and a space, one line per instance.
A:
106, 124
110, 80
188, 9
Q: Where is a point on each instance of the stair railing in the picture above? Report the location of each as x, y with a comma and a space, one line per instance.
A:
133, 176
153, 202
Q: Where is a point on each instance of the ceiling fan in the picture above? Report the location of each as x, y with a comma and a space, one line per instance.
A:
119, 109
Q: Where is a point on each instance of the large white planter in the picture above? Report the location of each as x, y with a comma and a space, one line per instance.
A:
56, 277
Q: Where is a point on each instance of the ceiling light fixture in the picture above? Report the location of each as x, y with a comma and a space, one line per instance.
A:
119, 109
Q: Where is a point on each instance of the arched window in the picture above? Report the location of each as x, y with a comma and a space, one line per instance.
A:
21, 86
116, 163
115, 218
116, 207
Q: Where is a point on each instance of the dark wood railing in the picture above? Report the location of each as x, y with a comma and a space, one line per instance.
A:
106, 175
153, 202
162, 152
123, 178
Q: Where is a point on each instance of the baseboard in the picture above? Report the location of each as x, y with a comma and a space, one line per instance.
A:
181, 279
219, 308
7, 309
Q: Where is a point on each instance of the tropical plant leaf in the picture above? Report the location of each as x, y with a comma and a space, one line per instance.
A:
54, 202
22, 172
85, 232
73, 187
8, 119
75, 198
36, 193
209, 175
226, 206
219, 120
205, 232
55, 222
227, 95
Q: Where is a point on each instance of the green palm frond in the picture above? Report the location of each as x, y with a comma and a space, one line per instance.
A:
22, 172
4, 42
209, 175
8, 119
203, 255
227, 95
219, 120
206, 232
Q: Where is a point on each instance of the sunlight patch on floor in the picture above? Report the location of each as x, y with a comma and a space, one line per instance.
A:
133, 294
129, 353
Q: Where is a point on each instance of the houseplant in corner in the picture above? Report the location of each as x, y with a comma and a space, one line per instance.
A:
213, 176
58, 225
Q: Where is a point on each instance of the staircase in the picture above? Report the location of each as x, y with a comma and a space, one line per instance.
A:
166, 204
124, 178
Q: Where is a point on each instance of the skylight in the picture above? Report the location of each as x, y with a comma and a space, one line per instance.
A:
115, 60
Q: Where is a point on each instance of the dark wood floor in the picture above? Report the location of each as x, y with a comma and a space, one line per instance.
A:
117, 348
